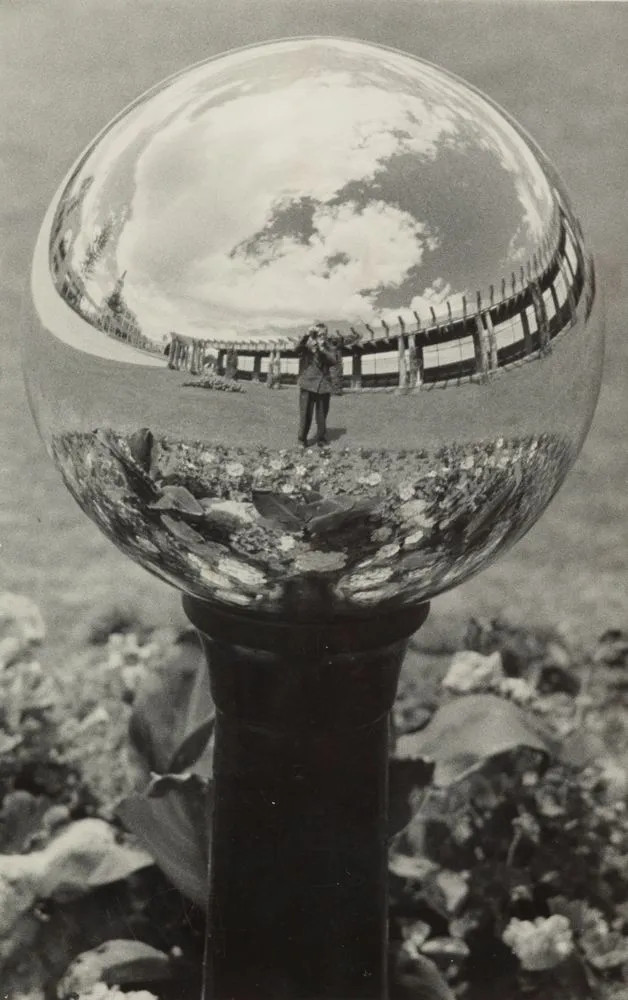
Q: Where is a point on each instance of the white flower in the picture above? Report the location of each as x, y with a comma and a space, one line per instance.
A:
471, 671
118, 639
244, 512
323, 562
499, 443
542, 944
233, 597
413, 512
406, 491
241, 571
234, 469
368, 597
208, 456
300, 470
206, 573
467, 463
261, 470
517, 689
368, 579
615, 779
276, 464
287, 488
373, 479
286, 543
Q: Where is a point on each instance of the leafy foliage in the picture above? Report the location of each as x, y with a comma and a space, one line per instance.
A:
509, 819
531, 819
314, 516
463, 734
172, 729
171, 821
516, 822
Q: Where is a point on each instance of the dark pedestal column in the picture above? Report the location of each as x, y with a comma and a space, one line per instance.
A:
298, 889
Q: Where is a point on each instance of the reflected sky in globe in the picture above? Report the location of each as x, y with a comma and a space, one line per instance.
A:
305, 179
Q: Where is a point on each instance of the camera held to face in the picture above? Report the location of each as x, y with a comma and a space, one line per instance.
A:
317, 336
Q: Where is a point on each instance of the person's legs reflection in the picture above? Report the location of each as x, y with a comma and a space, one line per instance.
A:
307, 401
322, 409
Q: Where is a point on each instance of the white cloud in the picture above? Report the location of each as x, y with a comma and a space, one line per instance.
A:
223, 148
192, 202
374, 247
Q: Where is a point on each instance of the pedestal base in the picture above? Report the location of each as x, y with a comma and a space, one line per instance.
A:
298, 887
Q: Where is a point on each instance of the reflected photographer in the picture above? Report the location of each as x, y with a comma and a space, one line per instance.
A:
317, 359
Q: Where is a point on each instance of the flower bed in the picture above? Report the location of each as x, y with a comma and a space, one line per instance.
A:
338, 528
508, 853
218, 382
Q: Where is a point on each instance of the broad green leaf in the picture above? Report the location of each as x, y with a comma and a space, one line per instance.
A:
118, 864
20, 818
137, 476
320, 508
179, 499
345, 514
141, 446
420, 559
182, 531
169, 708
279, 509
86, 854
195, 750
173, 825
419, 979
464, 733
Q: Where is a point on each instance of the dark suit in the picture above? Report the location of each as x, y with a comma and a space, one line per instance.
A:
315, 385
336, 373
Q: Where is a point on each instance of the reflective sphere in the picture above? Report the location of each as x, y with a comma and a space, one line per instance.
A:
311, 330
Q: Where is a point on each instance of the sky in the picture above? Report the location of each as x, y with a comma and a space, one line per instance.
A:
307, 180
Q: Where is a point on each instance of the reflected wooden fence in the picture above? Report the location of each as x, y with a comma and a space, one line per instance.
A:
518, 321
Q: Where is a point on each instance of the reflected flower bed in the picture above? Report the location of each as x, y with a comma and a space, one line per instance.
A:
335, 530
217, 382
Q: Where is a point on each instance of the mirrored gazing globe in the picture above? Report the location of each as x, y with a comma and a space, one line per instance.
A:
311, 330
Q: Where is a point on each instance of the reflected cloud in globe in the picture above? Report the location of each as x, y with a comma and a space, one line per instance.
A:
312, 330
